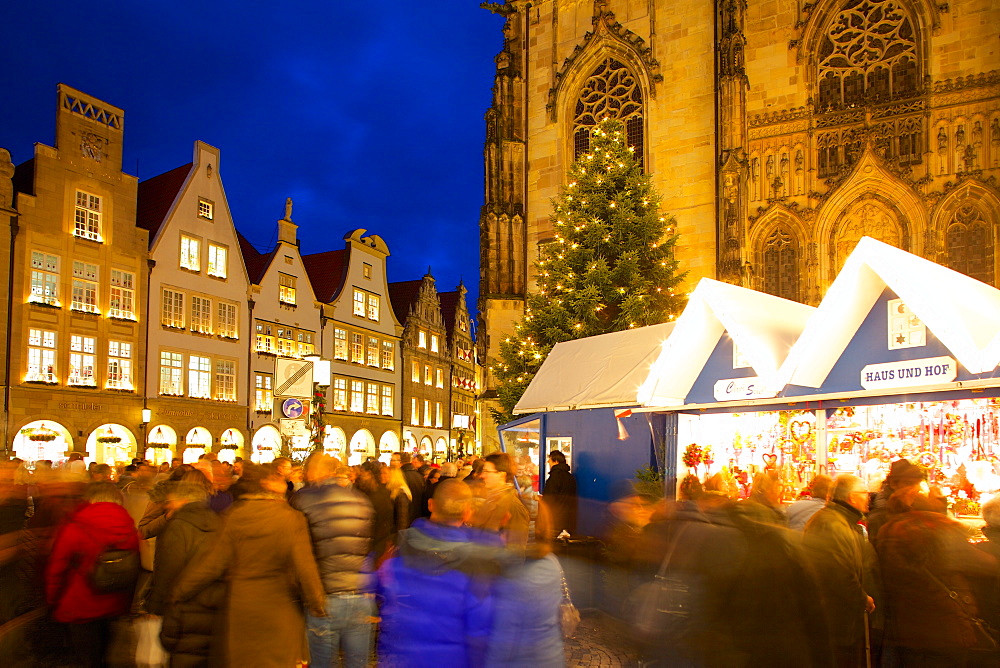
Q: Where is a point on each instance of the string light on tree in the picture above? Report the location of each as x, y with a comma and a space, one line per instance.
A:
612, 266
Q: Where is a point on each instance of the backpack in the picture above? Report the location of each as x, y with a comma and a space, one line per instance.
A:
115, 571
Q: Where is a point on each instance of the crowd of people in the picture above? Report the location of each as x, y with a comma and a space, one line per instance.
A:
281, 564
843, 576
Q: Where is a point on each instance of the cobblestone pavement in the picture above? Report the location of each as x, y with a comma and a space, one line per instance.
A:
600, 642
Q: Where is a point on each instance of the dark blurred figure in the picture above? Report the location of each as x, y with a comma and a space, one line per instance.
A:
928, 566
222, 480
415, 482
432, 478
188, 627
623, 562
988, 588
764, 502
559, 494
502, 509
842, 556
99, 525
526, 618
902, 475
100, 473
155, 517
437, 605
370, 484
340, 524
13, 513
400, 495
283, 465
266, 555
800, 512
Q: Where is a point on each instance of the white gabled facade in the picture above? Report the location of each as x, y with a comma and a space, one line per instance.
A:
198, 331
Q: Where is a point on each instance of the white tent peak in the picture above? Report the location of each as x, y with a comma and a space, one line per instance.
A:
763, 327
963, 313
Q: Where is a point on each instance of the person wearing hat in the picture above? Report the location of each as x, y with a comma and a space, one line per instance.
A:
902, 474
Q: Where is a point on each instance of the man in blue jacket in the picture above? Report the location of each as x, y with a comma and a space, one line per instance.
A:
437, 608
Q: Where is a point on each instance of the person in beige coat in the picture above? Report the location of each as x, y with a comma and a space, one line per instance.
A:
270, 581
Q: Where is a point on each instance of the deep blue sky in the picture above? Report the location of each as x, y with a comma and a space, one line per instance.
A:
366, 114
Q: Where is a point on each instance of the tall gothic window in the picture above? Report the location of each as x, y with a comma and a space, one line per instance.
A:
611, 91
780, 265
868, 54
970, 244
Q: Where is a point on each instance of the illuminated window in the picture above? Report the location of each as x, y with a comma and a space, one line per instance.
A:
226, 324
119, 365
427, 412
434, 343
218, 259
421, 339
206, 209
357, 396
339, 344
225, 380
41, 356
265, 339
84, 287
438, 418
286, 342
387, 400
359, 303
414, 411
199, 377
264, 395
439, 377
201, 315
428, 379
388, 356
373, 307
340, 394
415, 371
173, 308
88, 216
373, 352
171, 374
371, 399
286, 289
44, 278
366, 270
82, 360
190, 253
122, 294
305, 343
357, 348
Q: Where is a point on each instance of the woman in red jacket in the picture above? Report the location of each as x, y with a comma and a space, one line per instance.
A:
99, 525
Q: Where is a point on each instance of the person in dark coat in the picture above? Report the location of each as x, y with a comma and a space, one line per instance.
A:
188, 628
903, 475
559, 494
988, 588
928, 566
764, 502
800, 512
415, 482
437, 607
340, 525
265, 552
99, 525
838, 547
383, 526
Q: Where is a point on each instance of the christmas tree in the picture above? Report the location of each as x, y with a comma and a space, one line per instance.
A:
609, 267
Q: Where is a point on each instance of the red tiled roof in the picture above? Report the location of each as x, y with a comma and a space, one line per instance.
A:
402, 295
326, 273
155, 197
255, 261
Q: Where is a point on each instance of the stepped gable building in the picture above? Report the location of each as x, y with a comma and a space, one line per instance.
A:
198, 330
360, 335
777, 133
426, 357
286, 319
465, 371
78, 276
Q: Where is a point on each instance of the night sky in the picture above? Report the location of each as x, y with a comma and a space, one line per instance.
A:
366, 114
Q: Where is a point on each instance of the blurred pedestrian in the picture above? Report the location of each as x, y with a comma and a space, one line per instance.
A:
764, 502
384, 529
559, 494
340, 525
840, 552
400, 495
437, 607
415, 482
502, 509
802, 510
100, 525
265, 553
903, 475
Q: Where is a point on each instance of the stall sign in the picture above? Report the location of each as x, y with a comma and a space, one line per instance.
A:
293, 428
909, 373
732, 389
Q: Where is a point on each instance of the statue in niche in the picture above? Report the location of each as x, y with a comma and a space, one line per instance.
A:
730, 192
800, 163
995, 140
288, 209
769, 168
969, 158
960, 137
977, 134
942, 141
755, 174
784, 172
776, 186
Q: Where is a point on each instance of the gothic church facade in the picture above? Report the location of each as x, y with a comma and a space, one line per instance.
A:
778, 133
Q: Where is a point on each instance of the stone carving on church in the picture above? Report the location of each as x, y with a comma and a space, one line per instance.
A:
867, 218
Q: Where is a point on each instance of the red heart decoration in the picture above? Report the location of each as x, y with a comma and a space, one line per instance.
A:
770, 460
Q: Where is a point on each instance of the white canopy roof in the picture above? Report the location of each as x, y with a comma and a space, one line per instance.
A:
595, 372
963, 313
762, 326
